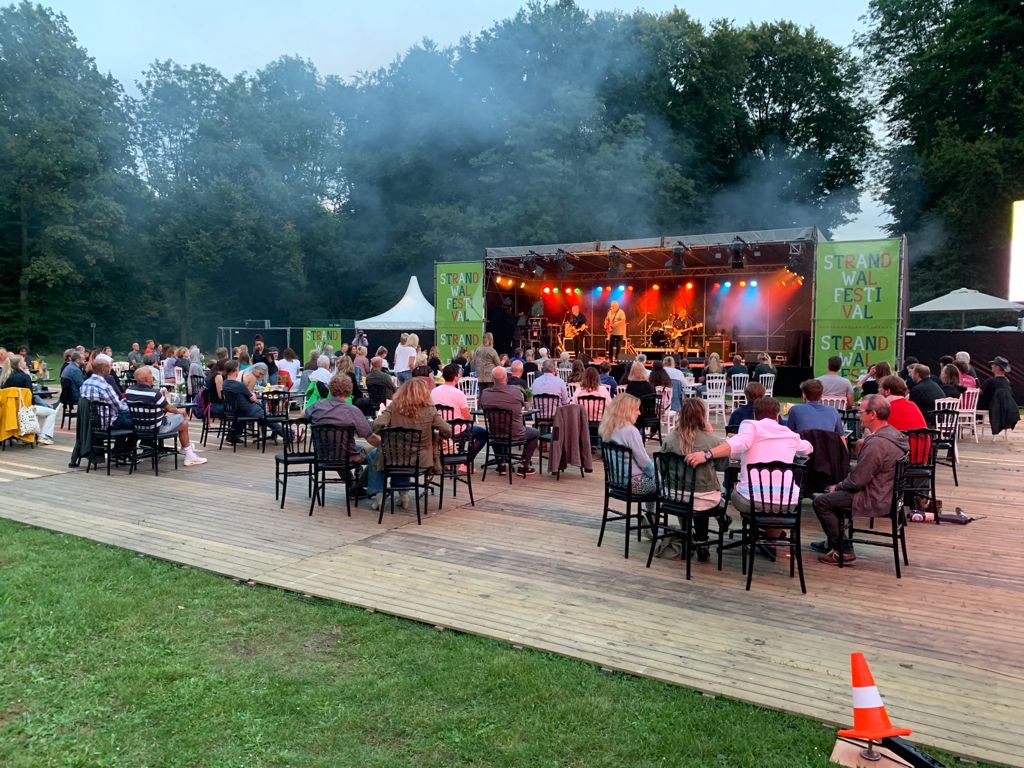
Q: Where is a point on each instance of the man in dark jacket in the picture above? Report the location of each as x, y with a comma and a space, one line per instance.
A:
867, 491
925, 391
997, 398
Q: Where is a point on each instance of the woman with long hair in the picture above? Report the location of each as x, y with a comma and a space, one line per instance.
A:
949, 377
411, 408
637, 384
868, 383
591, 386
434, 361
345, 365
619, 425
693, 432
658, 376
15, 375
714, 364
577, 371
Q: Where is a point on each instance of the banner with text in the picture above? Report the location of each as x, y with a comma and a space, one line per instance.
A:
458, 306
856, 304
317, 338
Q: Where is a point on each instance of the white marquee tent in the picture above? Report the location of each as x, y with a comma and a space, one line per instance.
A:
412, 313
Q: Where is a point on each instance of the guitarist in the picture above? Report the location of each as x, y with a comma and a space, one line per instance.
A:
615, 327
576, 329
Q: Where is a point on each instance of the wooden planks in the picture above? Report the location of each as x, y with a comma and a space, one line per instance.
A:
522, 566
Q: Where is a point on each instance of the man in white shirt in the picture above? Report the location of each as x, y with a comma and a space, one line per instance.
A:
834, 385
615, 327
670, 369
761, 439
549, 383
323, 370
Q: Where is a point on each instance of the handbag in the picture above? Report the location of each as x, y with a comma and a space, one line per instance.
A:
28, 422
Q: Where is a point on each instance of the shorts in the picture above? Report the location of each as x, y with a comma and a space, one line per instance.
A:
172, 422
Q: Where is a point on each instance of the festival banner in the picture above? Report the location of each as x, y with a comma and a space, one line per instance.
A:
316, 338
458, 306
856, 304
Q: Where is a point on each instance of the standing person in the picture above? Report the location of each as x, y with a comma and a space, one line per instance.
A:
360, 340
576, 329
867, 491
485, 360
834, 385
405, 356
997, 398
135, 356
615, 327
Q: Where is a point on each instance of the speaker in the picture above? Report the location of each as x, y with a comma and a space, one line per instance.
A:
627, 359
719, 345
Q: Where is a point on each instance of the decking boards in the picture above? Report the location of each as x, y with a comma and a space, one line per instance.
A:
522, 566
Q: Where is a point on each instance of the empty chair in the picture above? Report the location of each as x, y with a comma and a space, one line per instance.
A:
947, 422
296, 459
563, 374
530, 377
455, 462
839, 403
968, 411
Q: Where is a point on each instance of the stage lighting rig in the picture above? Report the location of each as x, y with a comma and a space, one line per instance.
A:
736, 251
616, 261
530, 261
562, 262
679, 252
795, 263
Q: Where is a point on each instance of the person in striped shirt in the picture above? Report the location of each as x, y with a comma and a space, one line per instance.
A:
169, 422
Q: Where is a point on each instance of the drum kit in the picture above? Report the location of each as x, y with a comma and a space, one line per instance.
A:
673, 333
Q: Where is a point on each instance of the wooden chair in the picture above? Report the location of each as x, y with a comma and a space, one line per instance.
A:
768, 382
774, 503
897, 517
714, 394
618, 485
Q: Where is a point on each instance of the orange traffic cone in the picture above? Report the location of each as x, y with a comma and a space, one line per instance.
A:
870, 721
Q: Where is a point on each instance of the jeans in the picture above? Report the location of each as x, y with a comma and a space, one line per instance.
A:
404, 376
829, 508
614, 347
375, 477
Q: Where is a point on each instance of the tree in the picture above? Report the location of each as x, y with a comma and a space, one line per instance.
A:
63, 152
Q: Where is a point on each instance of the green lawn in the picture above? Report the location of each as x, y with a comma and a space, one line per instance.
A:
110, 659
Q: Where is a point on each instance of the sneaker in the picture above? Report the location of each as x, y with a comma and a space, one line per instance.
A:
194, 461
374, 503
500, 469
527, 469
403, 500
44, 440
821, 546
832, 558
703, 554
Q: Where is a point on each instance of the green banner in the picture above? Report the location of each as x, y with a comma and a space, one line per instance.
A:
856, 304
316, 338
458, 306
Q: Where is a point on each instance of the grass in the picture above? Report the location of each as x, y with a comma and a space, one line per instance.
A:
111, 659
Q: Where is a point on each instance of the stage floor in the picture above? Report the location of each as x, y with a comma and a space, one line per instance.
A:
522, 566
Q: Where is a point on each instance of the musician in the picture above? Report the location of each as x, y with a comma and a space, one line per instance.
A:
576, 329
615, 327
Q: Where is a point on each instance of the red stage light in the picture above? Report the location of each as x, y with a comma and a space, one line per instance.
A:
717, 286
631, 287
656, 287
689, 286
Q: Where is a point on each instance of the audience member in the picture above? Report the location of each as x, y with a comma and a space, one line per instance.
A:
450, 395
501, 395
997, 398
485, 360
14, 375
925, 391
591, 386
754, 391
637, 384
606, 377
812, 413
549, 382
903, 414
834, 385
171, 419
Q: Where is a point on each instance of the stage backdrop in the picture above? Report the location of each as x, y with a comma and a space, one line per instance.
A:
856, 304
458, 306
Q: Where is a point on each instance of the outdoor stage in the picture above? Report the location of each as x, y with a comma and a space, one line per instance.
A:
522, 566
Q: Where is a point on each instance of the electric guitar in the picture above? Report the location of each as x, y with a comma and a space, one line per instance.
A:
571, 331
681, 331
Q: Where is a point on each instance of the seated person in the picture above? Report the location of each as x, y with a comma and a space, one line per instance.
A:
256, 377
336, 411
619, 425
173, 420
903, 414
868, 383
764, 365
949, 376
607, 379
549, 382
592, 386
867, 491
668, 363
247, 405
450, 395
812, 413
739, 366
925, 391
15, 375
637, 384
98, 389
693, 432
73, 375
323, 370
149, 359
378, 378
509, 398
835, 385
754, 392
516, 377
529, 366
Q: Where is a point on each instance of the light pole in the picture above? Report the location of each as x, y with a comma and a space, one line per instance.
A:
93, 326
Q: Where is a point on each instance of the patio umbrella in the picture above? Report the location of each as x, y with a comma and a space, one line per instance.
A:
964, 300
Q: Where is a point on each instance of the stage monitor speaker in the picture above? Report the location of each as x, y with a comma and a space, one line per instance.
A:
719, 345
627, 359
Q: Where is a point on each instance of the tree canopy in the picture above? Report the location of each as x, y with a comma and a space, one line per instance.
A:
292, 194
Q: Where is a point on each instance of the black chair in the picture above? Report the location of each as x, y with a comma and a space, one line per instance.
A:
117, 445
618, 485
231, 423
333, 448
454, 454
544, 420
378, 395
506, 449
146, 423
195, 383
275, 407
69, 402
649, 422
920, 481
297, 453
446, 411
947, 424
897, 516
400, 459
594, 406
675, 481
774, 503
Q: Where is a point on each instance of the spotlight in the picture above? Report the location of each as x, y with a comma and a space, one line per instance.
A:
656, 287
717, 286
631, 287
743, 283
547, 289
616, 264
727, 284
677, 263
522, 285
497, 279
554, 290
689, 286
532, 262
562, 262
622, 287
753, 283
736, 249
577, 291
598, 289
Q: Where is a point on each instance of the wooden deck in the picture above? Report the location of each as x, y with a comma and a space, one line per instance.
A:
522, 567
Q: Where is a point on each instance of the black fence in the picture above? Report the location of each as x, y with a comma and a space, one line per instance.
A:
929, 345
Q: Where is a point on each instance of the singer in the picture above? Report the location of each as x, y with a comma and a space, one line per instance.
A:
615, 327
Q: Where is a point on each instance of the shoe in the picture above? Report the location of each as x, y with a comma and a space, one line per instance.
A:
44, 440
527, 469
374, 503
500, 469
821, 546
703, 554
403, 500
195, 461
832, 558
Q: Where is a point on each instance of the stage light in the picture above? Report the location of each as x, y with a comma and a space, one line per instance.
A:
562, 261
728, 284
531, 262
622, 287
554, 290
689, 286
656, 287
578, 291
736, 248
677, 263
743, 283
598, 289
547, 289
497, 279
607, 287
522, 285
631, 287
717, 286
616, 263
753, 283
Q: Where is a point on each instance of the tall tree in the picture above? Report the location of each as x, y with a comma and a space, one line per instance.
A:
63, 145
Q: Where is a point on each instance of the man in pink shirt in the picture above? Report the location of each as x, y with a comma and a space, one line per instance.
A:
449, 394
761, 439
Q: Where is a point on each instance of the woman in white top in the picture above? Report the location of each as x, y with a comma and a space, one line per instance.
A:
405, 356
290, 363
618, 425
592, 386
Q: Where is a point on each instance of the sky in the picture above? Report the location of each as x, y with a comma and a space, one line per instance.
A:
344, 37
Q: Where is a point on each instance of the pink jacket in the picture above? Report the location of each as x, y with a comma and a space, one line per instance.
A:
762, 441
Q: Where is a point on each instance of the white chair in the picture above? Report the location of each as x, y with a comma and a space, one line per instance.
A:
563, 374
768, 382
668, 416
839, 403
470, 388
969, 411
738, 395
714, 394
529, 378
